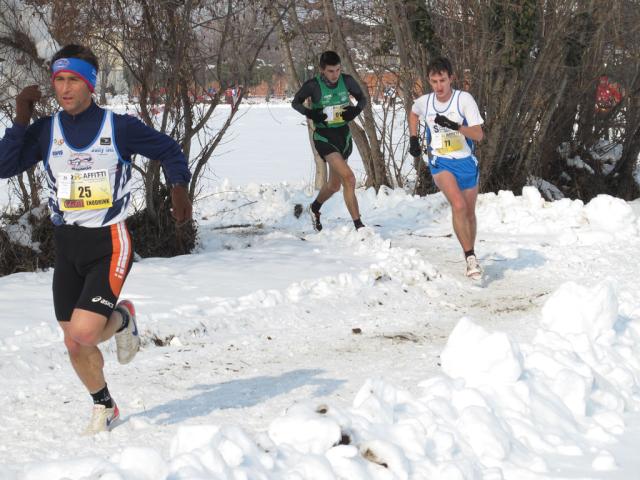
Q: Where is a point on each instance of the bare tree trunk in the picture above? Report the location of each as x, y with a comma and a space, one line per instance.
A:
367, 140
24, 194
34, 187
321, 175
623, 179
410, 68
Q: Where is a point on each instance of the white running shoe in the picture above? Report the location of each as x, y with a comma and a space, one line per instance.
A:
102, 419
474, 270
128, 340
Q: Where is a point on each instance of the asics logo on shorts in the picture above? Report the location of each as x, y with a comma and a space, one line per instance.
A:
103, 301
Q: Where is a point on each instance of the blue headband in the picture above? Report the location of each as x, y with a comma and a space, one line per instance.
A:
83, 69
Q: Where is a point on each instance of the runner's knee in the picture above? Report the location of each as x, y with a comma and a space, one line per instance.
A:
459, 208
471, 215
73, 347
83, 337
349, 181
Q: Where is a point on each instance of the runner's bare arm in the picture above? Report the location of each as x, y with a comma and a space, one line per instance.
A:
475, 132
414, 121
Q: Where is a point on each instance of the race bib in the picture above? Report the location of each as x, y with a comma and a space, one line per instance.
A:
447, 142
88, 190
334, 113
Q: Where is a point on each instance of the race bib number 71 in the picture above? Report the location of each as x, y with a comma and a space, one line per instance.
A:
448, 142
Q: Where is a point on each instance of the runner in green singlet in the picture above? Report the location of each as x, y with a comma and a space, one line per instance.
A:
331, 111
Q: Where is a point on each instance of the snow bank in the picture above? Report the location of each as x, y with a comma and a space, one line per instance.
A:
500, 408
604, 217
611, 214
21, 232
496, 410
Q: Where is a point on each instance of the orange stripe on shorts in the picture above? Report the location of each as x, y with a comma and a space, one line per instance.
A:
120, 257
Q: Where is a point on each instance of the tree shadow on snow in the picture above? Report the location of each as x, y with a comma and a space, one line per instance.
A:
240, 393
495, 265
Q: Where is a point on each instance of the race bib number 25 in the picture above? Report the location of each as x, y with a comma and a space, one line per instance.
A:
88, 190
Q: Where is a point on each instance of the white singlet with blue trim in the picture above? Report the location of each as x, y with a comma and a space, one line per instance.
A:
444, 142
89, 187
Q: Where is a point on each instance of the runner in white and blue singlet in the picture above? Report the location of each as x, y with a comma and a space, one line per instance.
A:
452, 124
86, 151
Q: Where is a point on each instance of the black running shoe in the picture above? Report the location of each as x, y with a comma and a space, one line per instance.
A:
315, 219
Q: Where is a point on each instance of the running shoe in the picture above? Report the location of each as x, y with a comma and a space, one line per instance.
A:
474, 270
102, 419
128, 340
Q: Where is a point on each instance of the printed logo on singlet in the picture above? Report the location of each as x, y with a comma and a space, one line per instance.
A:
57, 153
80, 161
105, 141
102, 150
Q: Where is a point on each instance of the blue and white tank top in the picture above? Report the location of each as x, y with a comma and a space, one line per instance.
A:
89, 187
444, 142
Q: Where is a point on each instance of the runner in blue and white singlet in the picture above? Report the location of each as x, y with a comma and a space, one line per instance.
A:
86, 151
445, 144
89, 186
452, 124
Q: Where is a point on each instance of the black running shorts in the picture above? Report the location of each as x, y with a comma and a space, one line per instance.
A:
90, 268
333, 140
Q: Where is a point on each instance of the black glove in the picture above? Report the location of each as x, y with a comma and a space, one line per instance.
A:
317, 115
414, 146
445, 122
350, 112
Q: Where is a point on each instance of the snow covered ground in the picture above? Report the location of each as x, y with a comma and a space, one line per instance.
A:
278, 353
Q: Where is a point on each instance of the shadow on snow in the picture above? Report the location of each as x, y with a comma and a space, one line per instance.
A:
241, 393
